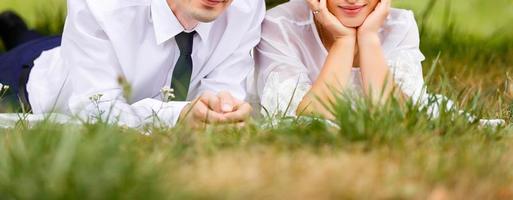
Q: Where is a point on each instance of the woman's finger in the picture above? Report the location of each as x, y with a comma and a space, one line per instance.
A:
383, 7
380, 11
323, 6
313, 4
388, 3
378, 8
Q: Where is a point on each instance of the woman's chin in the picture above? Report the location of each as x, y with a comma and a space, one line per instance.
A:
352, 24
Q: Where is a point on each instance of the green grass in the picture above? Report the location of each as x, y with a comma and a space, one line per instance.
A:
392, 152
482, 18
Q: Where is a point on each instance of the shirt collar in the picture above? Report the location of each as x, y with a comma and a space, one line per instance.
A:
167, 26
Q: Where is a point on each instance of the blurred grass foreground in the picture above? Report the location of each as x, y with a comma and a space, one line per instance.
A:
394, 152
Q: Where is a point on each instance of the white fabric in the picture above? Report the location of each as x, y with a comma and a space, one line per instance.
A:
10, 120
291, 55
104, 40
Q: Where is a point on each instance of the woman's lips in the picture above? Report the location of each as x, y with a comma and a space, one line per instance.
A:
352, 10
212, 3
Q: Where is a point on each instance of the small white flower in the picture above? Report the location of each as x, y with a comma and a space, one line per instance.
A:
168, 93
96, 98
3, 87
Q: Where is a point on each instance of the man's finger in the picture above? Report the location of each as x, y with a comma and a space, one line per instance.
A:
203, 113
241, 114
237, 102
227, 102
206, 96
211, 100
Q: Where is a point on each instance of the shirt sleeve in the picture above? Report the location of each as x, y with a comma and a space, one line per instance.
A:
405, 61
95, 72
230, 75
282, 79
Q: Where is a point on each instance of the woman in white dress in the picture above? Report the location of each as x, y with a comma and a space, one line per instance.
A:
311, 48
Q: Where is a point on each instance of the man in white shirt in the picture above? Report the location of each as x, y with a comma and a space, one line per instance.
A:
200, 48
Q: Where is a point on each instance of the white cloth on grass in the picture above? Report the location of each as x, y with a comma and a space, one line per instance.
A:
10, 120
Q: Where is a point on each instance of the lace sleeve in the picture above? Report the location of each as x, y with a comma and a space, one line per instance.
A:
282, 77
406, 68
407, 71
282, 94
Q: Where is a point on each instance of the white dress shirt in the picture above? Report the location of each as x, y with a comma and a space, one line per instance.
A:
105, 41
291, 55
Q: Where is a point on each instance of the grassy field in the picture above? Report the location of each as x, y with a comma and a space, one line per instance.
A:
392, 152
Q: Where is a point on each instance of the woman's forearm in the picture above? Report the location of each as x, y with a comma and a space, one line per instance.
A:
376, 78
331, 81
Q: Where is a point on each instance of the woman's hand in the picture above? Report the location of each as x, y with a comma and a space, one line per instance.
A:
375, 20
328, 21
377, 81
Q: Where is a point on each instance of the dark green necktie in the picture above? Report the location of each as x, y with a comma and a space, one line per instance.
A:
183, 68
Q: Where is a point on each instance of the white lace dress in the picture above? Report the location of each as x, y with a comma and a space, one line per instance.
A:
290, 57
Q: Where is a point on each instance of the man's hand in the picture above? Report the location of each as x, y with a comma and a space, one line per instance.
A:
202, 111
235, 110
215, 109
